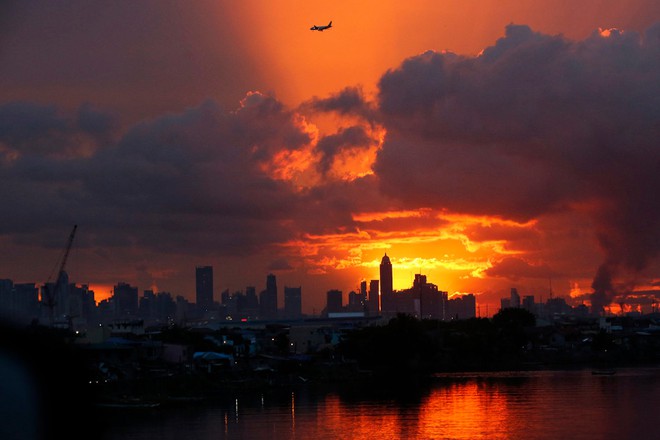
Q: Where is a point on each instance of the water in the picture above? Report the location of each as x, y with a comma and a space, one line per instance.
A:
527, 405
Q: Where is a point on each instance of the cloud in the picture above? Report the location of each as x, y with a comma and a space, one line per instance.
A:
28, 129
514, 268
347, 101
181, 183
533, 132
204, 181
352, 139
534, 125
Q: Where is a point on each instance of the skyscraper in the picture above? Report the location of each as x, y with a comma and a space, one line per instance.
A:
292, 302
268, 298
374, 303
334, 303
125, 298
515, 298
386, 276
204, 287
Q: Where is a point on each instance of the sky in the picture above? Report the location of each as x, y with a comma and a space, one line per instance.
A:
486, 144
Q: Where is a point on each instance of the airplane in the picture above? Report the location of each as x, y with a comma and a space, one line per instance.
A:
321, 28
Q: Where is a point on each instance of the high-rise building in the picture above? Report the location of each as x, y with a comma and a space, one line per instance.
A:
515, 298
204, 287
374, 303
268, 298
364, 293
387, 298
292, 302
125, 299
462, 307
334, 302
251, 309
386, 286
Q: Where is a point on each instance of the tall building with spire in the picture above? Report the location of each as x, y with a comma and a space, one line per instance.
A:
386, 276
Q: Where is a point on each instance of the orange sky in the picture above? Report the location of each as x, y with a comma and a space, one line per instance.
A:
370, 37
170, 64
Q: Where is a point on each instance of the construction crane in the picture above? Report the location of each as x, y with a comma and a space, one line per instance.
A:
51, 292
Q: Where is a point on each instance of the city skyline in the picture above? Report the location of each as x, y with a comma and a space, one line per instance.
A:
484, 144
25, 302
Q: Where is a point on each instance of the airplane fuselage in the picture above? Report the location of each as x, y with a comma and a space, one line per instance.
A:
321, 28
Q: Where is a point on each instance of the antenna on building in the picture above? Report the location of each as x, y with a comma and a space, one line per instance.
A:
550, 283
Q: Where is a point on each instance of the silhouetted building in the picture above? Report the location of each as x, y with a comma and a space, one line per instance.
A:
55, 298
374, 303
388, 300
125, 300
81, 306
27, 300
183, 309
386, 286
429, 302
515, 298
204, 288
462, 307
334, 302
157, 308
146, 305
19, 302
356, 302
364, 296
292, 302
268, 299
423, 300
557, 306
250, 308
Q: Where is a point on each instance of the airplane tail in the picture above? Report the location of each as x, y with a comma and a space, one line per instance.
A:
330, 24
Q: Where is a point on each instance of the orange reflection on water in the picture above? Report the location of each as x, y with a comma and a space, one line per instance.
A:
461, 410
363, 421
465, 410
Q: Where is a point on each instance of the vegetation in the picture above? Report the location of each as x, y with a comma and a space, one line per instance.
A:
409, 346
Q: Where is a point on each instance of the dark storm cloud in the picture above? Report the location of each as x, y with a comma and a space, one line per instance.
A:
27, 127
349, 101
188, 182
513, 268
535, 124
330, 146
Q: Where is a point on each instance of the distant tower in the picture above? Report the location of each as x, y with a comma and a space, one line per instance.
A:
292, 302
204, 287
268, 298
515, 298
125, 298
334, 303
374, 303
386, 276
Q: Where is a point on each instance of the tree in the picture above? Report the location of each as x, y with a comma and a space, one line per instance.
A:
511, 324
514, 317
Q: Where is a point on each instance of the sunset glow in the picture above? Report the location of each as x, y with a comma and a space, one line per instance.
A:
486, 144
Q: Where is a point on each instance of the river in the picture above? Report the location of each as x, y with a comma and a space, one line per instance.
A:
506, 405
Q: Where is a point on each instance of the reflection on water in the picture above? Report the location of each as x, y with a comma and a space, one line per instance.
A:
531, 405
